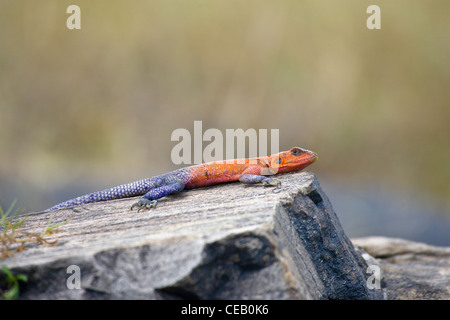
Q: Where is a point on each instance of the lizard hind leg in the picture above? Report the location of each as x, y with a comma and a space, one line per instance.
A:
148, 200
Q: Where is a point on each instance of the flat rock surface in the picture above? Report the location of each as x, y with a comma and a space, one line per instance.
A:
230, 241
412, 270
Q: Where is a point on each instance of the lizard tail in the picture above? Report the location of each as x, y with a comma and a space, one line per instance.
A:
123, 191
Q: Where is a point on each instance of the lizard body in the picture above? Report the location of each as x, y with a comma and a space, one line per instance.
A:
248, 171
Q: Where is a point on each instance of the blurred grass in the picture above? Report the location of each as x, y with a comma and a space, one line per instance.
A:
101, 103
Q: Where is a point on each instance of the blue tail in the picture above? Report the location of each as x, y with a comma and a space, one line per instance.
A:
123, 191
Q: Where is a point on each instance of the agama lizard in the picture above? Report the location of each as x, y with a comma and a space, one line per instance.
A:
249, 171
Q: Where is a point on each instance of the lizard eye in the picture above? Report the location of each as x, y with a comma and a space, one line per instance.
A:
296, 151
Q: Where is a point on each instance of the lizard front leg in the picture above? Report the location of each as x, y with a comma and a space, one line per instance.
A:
254, 178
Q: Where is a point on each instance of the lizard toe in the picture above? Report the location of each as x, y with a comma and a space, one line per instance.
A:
272, 182
144, 203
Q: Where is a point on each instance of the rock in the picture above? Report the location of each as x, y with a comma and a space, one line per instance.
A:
412, 270
223, 242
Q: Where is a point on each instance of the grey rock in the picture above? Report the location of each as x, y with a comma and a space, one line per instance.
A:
222, 242
412, 270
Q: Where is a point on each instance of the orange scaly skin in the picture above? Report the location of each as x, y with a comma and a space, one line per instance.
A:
207, 174
249, 171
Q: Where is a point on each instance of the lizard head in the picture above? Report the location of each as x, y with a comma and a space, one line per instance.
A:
295, 159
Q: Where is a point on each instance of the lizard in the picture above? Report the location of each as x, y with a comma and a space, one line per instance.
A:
247, 171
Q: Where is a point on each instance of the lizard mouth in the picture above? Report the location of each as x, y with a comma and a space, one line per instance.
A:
306, 157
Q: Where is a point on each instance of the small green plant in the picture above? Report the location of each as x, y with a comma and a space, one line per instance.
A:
13, 238
12, 281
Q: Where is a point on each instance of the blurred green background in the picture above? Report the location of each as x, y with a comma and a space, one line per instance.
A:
82, 110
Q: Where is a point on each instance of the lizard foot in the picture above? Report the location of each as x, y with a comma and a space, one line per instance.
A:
272, 182
144, 203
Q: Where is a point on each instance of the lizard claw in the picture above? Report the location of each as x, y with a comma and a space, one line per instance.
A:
144, 203
272, 182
